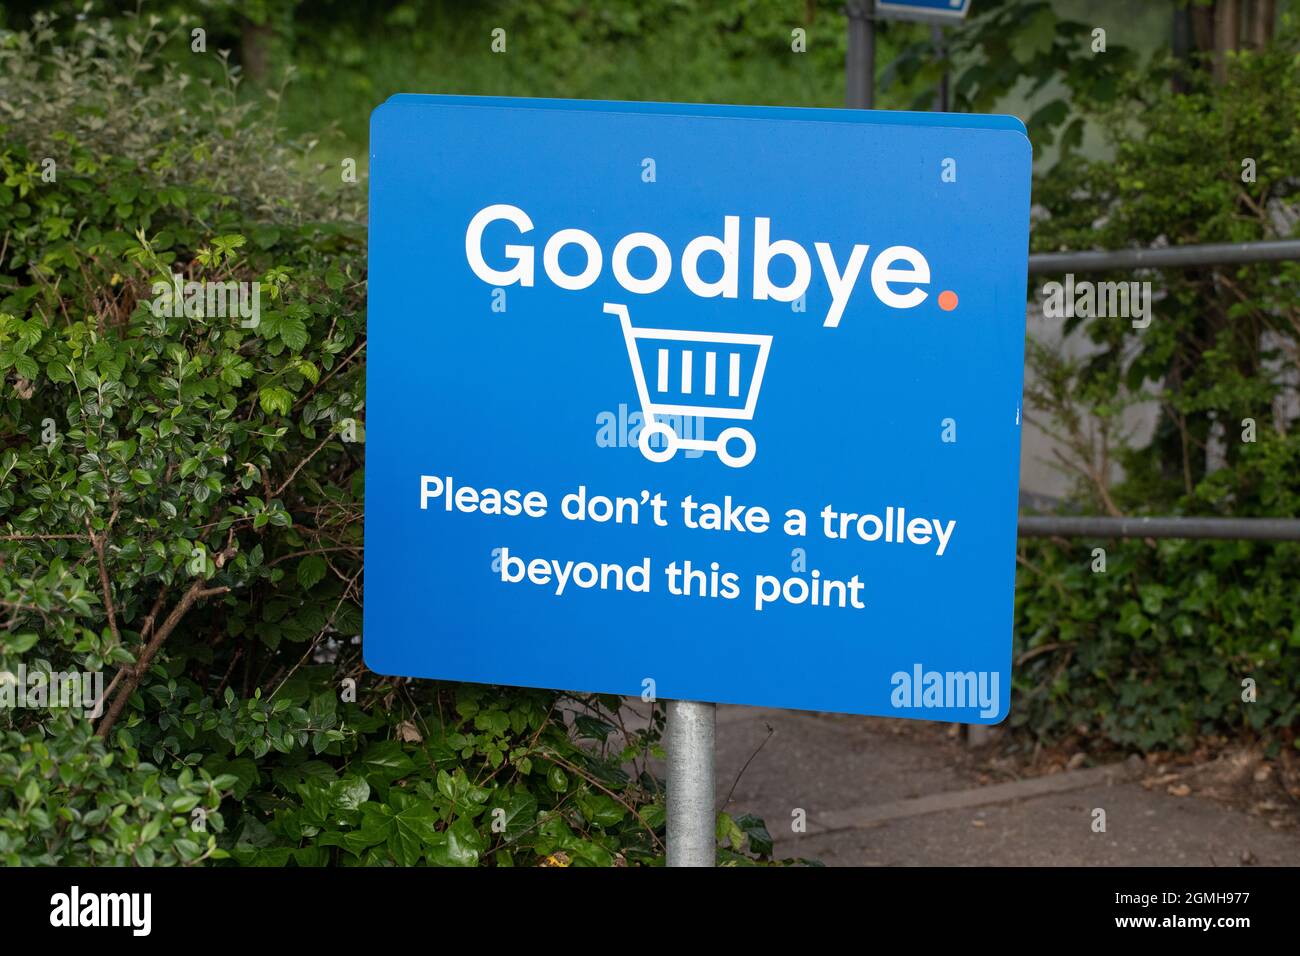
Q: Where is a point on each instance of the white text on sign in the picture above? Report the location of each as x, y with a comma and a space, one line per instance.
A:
899, 265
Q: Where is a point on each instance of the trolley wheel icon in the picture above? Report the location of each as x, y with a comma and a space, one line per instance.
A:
652, 429
719, 396
745, 439
671, 443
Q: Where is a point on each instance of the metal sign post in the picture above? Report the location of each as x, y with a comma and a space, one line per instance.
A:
941, 95
860, 56
688, 738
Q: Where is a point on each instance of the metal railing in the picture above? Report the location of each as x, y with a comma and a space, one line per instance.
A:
1224, 529
1232, 529
1227, 253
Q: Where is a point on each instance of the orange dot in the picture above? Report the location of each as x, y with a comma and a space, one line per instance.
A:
948, 300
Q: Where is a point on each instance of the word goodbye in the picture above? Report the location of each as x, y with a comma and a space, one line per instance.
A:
900, 266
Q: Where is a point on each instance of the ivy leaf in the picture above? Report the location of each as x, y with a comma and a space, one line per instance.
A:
602, 810
414, 829
463, 846
1035, 37
349, 793
519, 815
386, 761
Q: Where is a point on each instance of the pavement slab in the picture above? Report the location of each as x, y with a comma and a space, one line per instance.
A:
873, 796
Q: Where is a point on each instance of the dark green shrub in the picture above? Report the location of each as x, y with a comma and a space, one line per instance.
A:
180, 510
1153, 652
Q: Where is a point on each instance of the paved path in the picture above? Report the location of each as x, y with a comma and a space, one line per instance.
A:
877, 793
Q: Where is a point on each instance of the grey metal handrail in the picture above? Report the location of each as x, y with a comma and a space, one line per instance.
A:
1227, 253
1243, 529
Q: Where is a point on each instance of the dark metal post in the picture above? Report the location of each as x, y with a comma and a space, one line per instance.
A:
941, 101
860, 58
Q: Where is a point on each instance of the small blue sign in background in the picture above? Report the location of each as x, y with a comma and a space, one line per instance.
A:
906, 417
935, 10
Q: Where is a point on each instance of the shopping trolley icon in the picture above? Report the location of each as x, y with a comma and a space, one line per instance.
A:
696, 374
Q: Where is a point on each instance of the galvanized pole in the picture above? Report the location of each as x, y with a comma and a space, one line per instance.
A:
860, 57
688, 738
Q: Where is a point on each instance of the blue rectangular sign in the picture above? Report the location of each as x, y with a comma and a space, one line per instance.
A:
931, 10
710, 403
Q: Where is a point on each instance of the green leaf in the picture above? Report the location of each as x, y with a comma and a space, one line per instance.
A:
1035, 36
184, 803
293, 332
654, 815
602, 810
386, 761
18, 643
349, 793
26, 366
464, 843
275, 398
556, 780
519, 814
446, 786
310, 570
414, 829
1050, 115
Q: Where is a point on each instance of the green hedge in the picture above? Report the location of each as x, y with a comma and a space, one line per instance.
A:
181, 512
1153, 653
